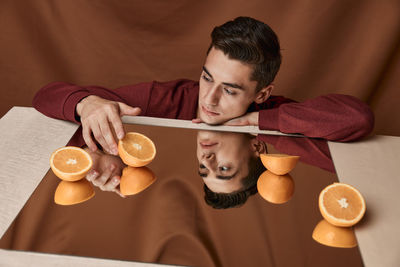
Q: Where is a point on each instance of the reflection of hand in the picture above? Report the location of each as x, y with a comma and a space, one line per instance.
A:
247, 119
106, 171
97, 115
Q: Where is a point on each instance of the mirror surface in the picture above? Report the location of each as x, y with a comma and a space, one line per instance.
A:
170, 221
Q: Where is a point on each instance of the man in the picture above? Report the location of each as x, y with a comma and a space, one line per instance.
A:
229, 164
235, 88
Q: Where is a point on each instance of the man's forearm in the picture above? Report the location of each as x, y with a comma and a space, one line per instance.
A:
332, 117
60, 100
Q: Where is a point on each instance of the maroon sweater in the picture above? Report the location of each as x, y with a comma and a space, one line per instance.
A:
332, 117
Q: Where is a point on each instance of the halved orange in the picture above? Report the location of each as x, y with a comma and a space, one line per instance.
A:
136, 149
70, 193
279, 164
334, 236
274, 188
341, 204
70, 163
135, 180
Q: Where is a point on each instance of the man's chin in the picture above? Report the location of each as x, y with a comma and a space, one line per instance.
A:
212, 121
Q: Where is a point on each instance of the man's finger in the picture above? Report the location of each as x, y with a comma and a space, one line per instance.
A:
197, 120
92, 175
128, 110
236, 122
111, 145
103, 178
87, 137
118, 191
112, 184
99, 136
117, 125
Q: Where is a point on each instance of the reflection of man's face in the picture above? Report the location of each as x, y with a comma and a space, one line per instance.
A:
226, 90
223, 160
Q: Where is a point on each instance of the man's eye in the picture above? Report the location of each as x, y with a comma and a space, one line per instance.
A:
206, 78
229, 92
224, 168
202, 174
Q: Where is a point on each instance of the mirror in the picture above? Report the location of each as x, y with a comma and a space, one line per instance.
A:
203, 209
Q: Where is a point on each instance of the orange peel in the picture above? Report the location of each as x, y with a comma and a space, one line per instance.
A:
334, 236
70, 193
136, 179
70, 163
276, 189
341, 204
136, 149
279, 164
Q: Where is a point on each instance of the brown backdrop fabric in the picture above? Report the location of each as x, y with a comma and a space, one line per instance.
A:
349, 47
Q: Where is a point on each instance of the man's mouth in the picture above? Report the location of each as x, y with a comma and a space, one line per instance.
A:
209, 112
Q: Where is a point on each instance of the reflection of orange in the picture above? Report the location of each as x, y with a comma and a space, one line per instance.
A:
70, 163
274, 188
341, 204
279, 164
135, 180
136, 149
69, 193
334, 236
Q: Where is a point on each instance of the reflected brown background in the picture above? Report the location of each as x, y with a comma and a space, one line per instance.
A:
170, 222
350, 47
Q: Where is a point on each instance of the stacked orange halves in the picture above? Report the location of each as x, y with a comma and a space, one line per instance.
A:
275, 184
71, 164
342, 206
136, 150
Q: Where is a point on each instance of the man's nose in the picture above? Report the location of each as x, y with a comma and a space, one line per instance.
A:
208, 156
208, 159
212, 96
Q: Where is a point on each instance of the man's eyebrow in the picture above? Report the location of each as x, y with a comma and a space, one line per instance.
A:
233, 85
204, 175
206, 71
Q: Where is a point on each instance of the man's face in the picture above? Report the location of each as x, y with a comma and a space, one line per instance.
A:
225, 88
223, 160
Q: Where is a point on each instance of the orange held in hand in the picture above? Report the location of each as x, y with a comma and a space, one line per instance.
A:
70, 163
136, 149
334, 236
135, 180
341, 204
279, 164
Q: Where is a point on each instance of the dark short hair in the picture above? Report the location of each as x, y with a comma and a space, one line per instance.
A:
250, 41
238, 198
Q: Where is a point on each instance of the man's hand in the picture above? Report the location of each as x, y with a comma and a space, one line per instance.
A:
102, 118
197, 120
247, 119
106, 171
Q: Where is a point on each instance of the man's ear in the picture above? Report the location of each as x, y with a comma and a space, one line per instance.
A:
263, 94
258, 147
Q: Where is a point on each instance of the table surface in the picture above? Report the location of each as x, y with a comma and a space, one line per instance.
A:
372, 166
358, 164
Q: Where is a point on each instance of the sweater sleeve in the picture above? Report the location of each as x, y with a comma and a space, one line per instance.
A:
59, 99
332, 117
